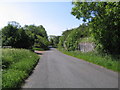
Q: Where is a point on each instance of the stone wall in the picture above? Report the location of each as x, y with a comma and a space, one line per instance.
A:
86, 46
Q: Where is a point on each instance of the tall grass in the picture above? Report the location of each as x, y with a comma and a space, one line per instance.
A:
16, 65
103, 60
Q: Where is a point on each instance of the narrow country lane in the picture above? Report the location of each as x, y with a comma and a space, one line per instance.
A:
57, 70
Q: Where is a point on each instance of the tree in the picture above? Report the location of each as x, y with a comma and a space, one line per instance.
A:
70, 38
42, 32
62, 39
39, 35
9, 35
27, 37
104, 20
54, 40
15, 36
14, 24
23, 40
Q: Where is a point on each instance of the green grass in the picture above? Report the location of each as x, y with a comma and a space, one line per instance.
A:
16, 65
12, 78
38, 49
105, 61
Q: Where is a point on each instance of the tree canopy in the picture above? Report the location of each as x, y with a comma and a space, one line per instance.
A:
54, 40
70, 38
28, 36
104, 21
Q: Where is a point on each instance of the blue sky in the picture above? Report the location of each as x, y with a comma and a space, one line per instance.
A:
54, 16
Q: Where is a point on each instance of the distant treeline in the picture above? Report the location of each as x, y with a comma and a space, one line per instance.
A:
70, 38
29, 36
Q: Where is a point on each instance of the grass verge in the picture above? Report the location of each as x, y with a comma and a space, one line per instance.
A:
39, 49
105, 61
16, 65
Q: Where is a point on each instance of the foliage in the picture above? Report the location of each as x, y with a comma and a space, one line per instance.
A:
71, 38
87, 39
40, 36
63, 38
8, 35
16, 65
41, 42
12, 78
54, 40
24, 37
16, 37
104, 22
23, 40
106, 61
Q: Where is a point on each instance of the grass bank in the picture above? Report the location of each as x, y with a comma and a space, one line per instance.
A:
105, 61
17, 65
39, 49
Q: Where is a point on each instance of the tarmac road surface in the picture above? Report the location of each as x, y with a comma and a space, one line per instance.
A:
57, 70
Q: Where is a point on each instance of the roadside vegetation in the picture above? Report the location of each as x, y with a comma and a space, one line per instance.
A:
106, 61
17, 65
19, 59
53, 40
100, 27
29, 36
